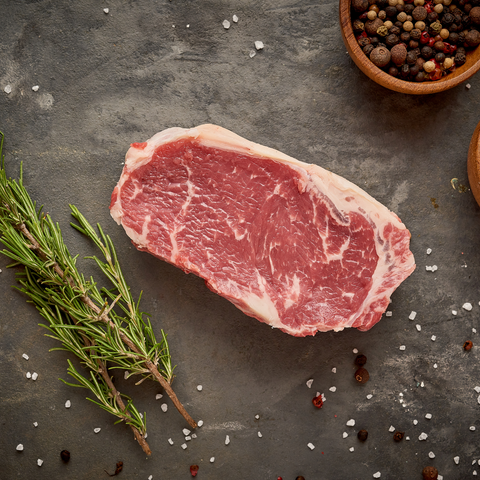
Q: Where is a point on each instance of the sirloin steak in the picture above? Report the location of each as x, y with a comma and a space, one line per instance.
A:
289, 243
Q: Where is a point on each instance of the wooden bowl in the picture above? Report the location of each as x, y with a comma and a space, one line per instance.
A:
473, 164
471, 66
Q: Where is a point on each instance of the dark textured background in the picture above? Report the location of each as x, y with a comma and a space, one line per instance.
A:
109, 80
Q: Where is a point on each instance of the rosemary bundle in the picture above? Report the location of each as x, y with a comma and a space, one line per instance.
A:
103, 327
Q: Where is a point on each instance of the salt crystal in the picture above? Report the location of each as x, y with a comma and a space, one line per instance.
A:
467, 306
401, 400
35, 424
34, 375
259, 434
333, 389
474, 473
35, 88
351, 423
402, 347
39, 462
477, 389
188, 438
478, 399
259, 45
235, 18
252, 53
186, 431
311, 446
435, 365
431, 455
150, 477
188, 25
434, 268
184, 446
472, 428
474, 330
351, 449
345, 435
412, 315
355, 351
388, 314
456, 460
422, 384
28, 375
369, 396
468, 86
200, 423
428, 416
418, 327
226, 24
199, 388
106, 10
25, 356
454, 312
391, 429
212, 459
407, 438
227, 440
68, 404
377, 475
257, 417
428, 269
96, 430
433, 338
474, 462
164, 407
423, 436
440, 477
400, 394
170, 441
429, 251
126, 374
8, 89
158, 396
19, 447
194, 435
309, 383
334, 370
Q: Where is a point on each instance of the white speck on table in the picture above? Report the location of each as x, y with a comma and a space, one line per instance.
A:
39, 462
96, 430
422, 436
433, 337
351, 449
35, 88
345, 435
235, 18
435, 365
257, 417
188, 438
467, 306
106, 10
259, 434
429, 251
28, 375
25, 356
456, 460
311, 446
150, 477
333, 389
68, 404
199, 388
227, 440
35, 424
477, 389
226, 24
472, 428
186, 431
309, 383
34, 375
377, 475
8, 89
158, 396
19, 447
184, 446
454, 312
369, 396
355, 351
164, 407
412, 315
418, 327
259, 45
402, 347
200, 423
334, 370
391, 429
428, 416
388, 314
170, 441
194, 435
431, 455
212, 459
351, 423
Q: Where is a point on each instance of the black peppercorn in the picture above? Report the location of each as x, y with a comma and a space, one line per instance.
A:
391, 12
374, 41
367, 49
460, 59
360, 360
405, 70
65, 455
472, 38
362, 41
474, 14
432, 17
362, 375
468, 8
430, 473
426, 52
394, 30
398, 24
360, 5
362, 435
405, 37
453, 38
453, 28
411, 57
461, 50
409, 7
391, 40
358, 26
399, 7
382, 4
416, 34
393, 71
466, 21
420, 77
414, 69
440, 57
398, 436
447, 19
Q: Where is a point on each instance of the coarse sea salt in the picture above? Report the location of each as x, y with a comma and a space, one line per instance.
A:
477, 389
19, 447
105, 11
39, 462
454, 312
412, 315
467, 306
35, 424
200, 423
25, 356
35, 88
226, 24
429, 251
309, 383
402, 347
422, 436
334, 370
34, 375
407, 438
355, 351
227, 440
351, 423
68, 404
199, 388
431, 455
259, 45
212, 459
369, 396
333, 389
170, 441
28, 375
388, 314
474, 330
472, 428
391, 429
433, 337
351, 449
435, 365
377, 475
96, 430
164, 407
186, 431
418, 327
194, 435
478, 399
428, 416
184, 446
150, 477
235, 18
311, 446
259, 434
345, 435
158, 396
8, 89
456, 460
188, 438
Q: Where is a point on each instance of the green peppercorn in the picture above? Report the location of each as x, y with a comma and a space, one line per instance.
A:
382, 31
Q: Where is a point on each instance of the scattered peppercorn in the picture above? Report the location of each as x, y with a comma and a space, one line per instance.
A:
398, 436
362, 435
362, 375
318, 401
361, 360
65, 455
468, 345
194, 470
117, 470
430, 473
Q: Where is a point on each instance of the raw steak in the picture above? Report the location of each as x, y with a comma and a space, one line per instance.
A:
289, 243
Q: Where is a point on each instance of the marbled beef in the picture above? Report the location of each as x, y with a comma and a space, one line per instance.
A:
289, 243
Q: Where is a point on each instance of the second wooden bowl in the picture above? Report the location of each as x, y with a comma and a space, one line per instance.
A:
471, 66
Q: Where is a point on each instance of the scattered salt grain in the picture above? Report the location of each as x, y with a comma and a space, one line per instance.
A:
377, 475
454, 312
39, 462
309, 383
19, 447
474, 330
355, 351
68, 404
474, 472
164, 407
252, 53
467, 306
188, 438
433, 338
412, 315
199, 388
388, 314
35, 88
235, 18
150, 477
8, 89
257, 417
212, 459
418, 327
200, 423
474, 462
194, 435
429, 251
440, 477
25, 356
422, 436
369, 396
456, 460
227, 440
351, 423
333, 389
468, 86
472, 428
407, 438
34, 375
158, 396
432, 268
35, 424
422, 384
259, 45
96, 430
345, 435
428, 416
351, 449
334, 370
28, 375
435, 365
477, 389
184, 446
478, 399
186, 431
431, 455
226, 24
170, 441
391, 429
106, 10
259, 434
311, 446
402, 347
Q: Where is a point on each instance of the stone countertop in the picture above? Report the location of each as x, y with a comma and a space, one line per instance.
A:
106, 80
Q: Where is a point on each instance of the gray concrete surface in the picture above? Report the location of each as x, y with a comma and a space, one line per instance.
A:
106, 80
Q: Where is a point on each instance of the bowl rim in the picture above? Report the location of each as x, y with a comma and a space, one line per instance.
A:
402, 86
473, 164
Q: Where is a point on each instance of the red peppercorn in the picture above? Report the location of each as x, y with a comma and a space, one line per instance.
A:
362, 375
318, 401
398, 436
424, 37
436, 74
468, 345
428, 7
194, 470
431, 42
